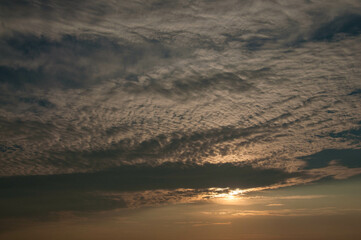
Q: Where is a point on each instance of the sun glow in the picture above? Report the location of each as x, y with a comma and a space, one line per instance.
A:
227, 196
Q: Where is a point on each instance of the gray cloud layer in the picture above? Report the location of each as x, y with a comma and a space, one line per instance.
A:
92, 85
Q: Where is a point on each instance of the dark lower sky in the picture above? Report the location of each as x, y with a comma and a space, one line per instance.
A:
157, 119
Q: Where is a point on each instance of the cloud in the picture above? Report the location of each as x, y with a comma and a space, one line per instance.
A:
344, 157
87, 192
288, 212
352, 134
357, 91
74, 61
201, 224
88, 86
165, 176
348, 24
274, 205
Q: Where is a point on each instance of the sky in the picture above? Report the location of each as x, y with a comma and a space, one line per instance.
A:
187, 119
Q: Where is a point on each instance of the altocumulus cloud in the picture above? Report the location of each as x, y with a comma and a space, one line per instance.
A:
90, 86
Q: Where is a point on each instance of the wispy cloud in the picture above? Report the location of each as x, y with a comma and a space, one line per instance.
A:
255, 94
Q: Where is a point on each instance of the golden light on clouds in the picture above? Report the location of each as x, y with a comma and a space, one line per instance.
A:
229, 196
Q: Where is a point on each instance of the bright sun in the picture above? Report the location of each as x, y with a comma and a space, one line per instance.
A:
227, 196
